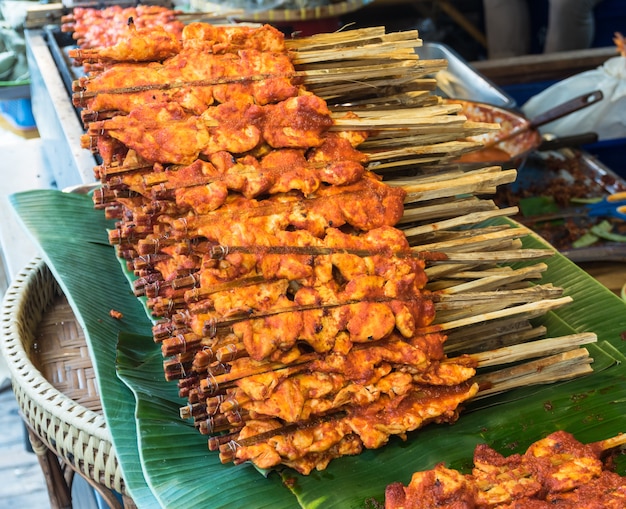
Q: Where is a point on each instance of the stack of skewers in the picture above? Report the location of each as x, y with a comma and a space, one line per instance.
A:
321, 274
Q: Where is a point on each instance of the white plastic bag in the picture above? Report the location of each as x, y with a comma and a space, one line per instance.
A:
607, 118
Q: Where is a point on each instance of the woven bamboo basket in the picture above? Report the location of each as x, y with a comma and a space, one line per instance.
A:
53, 378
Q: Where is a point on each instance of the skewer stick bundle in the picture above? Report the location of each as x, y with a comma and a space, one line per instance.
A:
306, 256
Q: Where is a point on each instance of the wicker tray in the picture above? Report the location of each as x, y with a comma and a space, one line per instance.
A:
52, 376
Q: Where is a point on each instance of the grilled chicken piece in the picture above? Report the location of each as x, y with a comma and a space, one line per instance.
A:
103, 27
139, 45
557, 471
314, 445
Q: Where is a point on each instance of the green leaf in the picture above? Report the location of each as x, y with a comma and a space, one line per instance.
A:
604, 231
538, 205
181, 472
72, 238
174, 452
585, 240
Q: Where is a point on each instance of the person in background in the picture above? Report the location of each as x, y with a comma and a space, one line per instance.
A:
508, 26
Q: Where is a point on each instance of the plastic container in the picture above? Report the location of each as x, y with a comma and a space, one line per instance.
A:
612, 153
19, 113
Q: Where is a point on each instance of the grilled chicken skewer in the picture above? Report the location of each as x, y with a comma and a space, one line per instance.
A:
555, 471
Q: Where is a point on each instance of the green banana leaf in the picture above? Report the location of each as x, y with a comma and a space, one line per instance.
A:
74, 244
174, 454
170, 459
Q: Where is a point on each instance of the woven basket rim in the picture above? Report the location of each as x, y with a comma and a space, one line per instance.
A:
23, 372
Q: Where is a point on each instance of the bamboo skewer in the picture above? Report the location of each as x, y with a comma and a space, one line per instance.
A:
451, 149
471, 335
395, 115
408, 98
492, 298
612, 443
463, 242
563, 366
548, 352
540, 348
454, 299
457, 311
481, 279
499, 256
312, 77
80, 94
466, 219
427, 124
444, 135
446, 176
404, 50
559, 367
485, 280
541, 306
447, 208
420, 153
482, 240
219, 252
434, 254
323, 44
463, 185
489, 281
351, 37
338, 93
498, 336
533, 299
419, 192
107, 172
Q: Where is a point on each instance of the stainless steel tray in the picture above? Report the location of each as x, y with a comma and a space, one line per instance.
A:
460, 80
563, 174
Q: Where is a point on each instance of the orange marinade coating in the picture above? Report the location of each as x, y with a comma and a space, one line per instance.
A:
555, 472
92, 27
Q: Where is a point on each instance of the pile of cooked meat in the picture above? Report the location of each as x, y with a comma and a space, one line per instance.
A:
292, 311
557, 471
